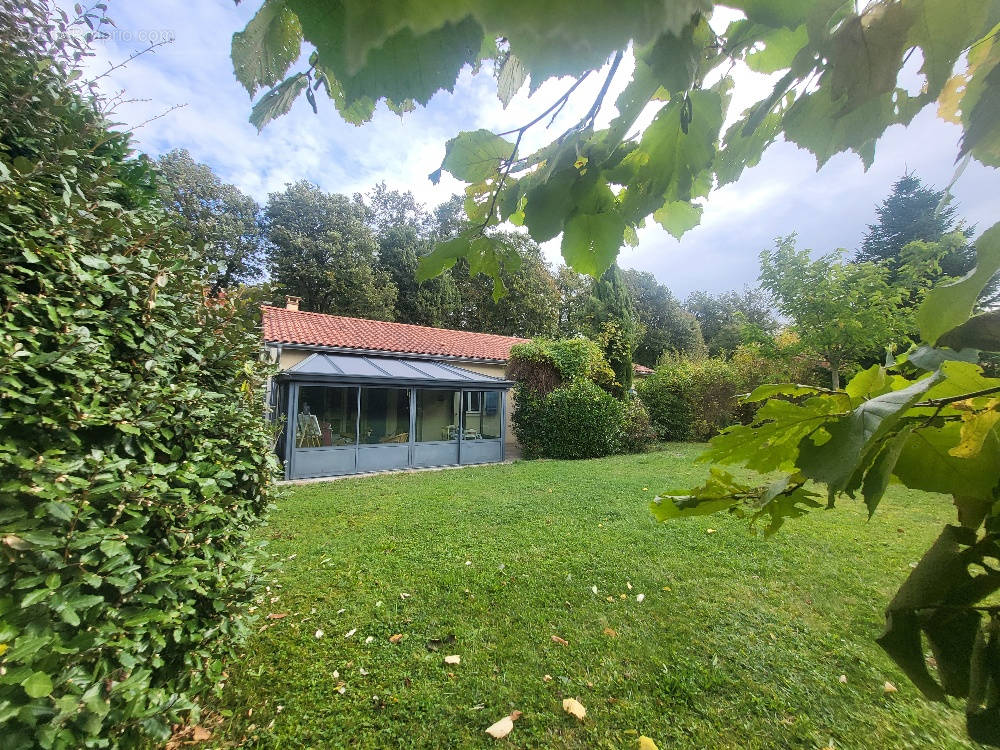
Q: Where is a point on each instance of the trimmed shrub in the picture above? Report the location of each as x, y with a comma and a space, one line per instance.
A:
668, 396
691, 399
637, 427
136, 459
542, 365
579, 420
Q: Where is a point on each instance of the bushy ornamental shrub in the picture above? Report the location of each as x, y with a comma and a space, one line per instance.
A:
135, 459
579, 420
637, 427
542, 365
691, 399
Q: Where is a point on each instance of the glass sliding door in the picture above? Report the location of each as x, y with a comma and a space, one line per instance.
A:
384, 429
385, 415
326, 423
438, 423
482, 415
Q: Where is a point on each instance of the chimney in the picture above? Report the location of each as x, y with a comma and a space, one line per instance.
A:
292, 303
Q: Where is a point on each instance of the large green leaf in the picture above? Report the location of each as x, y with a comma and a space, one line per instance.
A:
37, 685
836, 460
476, 155
264, 50
949, 306
925, 463
980, 332
510, 78
278, 100
780, 46
677, 217
591, 242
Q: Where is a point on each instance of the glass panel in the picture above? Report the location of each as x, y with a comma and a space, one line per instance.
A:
437, 415
327, 416
385, 415
481, 415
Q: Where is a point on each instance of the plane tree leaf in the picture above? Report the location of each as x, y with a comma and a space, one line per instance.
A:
949, 306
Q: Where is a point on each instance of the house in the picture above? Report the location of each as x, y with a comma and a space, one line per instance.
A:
362, 395
366, 395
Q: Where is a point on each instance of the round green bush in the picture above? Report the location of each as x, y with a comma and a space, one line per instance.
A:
668, 395
136, 460
637, 427
579, 420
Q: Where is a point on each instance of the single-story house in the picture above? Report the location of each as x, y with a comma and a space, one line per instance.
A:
366, 395
361, 395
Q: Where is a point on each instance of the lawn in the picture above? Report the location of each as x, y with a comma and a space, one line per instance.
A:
737, 642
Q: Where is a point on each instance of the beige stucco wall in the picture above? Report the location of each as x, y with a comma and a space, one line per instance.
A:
290, 357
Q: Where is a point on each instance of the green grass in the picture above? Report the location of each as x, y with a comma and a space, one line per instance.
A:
739, 643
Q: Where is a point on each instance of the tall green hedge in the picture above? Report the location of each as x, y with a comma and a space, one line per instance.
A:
135, 460
579, 420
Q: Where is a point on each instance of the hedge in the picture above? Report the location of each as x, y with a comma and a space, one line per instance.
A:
136, 459
579, 420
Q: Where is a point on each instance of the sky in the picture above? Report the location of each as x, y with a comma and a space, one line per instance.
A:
828, 209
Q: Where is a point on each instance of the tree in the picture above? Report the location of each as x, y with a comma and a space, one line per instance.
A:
403, 229
839, 65
225, 221
915, 212
574, 291
529, 308
668, 327
613, 323
732, 318
841, 310
322, 251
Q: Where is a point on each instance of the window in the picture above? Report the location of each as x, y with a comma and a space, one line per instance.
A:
482, 415
385, 415
437, 415
327, 417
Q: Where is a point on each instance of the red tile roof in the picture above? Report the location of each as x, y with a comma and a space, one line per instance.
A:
316, 329
641, 369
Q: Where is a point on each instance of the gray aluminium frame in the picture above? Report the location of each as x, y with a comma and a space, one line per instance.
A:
374, 372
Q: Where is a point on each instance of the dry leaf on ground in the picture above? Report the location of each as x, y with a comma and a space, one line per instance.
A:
200, 734
453, 659
611, 632
645, 743
560, 641
277, 615
396, 638
573, 707
888, 687
502, 728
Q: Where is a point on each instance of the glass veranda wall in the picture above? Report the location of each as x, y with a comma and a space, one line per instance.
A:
332, 429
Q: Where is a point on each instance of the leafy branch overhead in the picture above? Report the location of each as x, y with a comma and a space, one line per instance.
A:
838, 91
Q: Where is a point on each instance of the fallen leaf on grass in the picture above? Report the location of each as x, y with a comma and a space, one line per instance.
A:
453, 659
547, 678
404, 595
277, 615
396, 638
319, 633
502, 728
888, 687
342, 687
709, 531
560, 641
574, 708
594, 589
369, 639
200, 734
843, 679
611, 632
350, 632
629, 585
645, 743
640, 597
